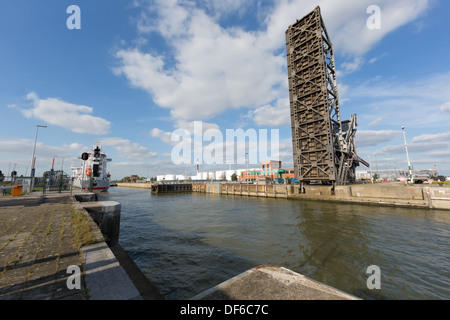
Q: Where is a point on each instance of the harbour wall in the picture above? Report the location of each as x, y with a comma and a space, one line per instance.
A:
395, 194
432, 197
135, 185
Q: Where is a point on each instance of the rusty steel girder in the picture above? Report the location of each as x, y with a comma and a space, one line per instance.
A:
322, 150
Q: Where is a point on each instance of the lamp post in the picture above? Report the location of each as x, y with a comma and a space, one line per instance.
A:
33, 159
407, 157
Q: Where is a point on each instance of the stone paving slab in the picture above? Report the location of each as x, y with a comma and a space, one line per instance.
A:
105, 277
36, 248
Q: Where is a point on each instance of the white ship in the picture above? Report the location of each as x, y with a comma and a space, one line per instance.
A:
92, 172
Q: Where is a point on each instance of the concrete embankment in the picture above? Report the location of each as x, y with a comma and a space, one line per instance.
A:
135, 185
424, 196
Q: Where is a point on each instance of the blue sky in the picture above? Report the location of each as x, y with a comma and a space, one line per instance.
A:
138, 70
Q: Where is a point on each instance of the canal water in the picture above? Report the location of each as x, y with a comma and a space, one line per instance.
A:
188, 243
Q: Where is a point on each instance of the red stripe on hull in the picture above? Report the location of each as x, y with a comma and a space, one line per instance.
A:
97, 188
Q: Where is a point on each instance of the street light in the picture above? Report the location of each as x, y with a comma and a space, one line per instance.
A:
407, 157
32, 158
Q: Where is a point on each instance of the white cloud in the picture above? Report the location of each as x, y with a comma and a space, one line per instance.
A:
272, 116
128, 149
418, 103
432, 138
210, 68
428, 87
375, 59
445, 154
21, 151
225, 7
189, 125
25, 147
78, 147
346, 21
376, 121
421, 144
215, 72
352, 66
445, 107
166, 136
368, 138
76, 118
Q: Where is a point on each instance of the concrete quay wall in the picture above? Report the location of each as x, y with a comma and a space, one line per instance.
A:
424, 196
432, 197
266, 191
135, 185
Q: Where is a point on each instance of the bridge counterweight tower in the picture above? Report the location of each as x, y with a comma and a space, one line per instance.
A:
323, 145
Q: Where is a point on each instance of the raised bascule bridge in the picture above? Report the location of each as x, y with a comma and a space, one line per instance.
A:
323, 144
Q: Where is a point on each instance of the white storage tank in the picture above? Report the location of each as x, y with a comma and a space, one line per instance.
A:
203, 175
220, 175
211, 175
170, 177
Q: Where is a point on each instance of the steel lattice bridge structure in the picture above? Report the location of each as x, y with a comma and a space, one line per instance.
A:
323, 145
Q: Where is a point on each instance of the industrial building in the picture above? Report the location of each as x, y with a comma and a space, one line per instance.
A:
223, 175
268, 171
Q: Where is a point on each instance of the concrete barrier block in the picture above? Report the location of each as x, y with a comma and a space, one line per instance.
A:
272, 283
387, 192
312, 190
343, 192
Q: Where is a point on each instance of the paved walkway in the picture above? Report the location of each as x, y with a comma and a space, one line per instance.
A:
36, 248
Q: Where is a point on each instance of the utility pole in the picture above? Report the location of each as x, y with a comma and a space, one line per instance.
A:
407, 157
33, 160
197, 168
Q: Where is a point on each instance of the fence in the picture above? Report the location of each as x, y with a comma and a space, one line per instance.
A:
56, 184
44, 184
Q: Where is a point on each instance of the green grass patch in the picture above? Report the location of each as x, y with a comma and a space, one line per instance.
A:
447, 183
82, 229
